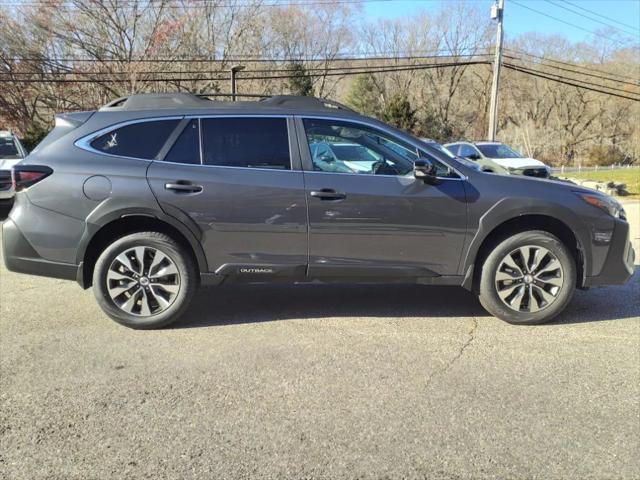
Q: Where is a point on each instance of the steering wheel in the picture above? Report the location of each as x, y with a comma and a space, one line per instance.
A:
381, 167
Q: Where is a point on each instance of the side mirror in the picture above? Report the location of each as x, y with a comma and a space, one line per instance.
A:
473, 156
425, 170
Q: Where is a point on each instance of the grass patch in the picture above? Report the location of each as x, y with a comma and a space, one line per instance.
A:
628, 176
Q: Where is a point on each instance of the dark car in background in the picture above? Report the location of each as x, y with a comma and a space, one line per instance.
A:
154, 195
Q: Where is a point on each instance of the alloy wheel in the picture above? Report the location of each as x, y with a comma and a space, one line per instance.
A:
529, 279
143, 281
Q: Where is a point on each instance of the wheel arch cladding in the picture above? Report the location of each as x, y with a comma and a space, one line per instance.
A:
523, 223
133, 223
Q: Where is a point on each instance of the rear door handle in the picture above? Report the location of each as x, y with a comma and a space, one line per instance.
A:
183, 187
328, 194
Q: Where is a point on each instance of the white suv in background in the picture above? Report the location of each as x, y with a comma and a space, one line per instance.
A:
11, 152
503, 155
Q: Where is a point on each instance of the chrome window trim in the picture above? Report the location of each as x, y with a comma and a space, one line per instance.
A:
462, 177
85, 142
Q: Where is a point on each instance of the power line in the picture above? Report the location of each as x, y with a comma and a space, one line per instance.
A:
189, 72
601, 15
565, 22
585, 82
553, 60
338, 57
588, 17
571, 70
259, 77
560, 79
361, 71
68, 5
309, 70
537, 73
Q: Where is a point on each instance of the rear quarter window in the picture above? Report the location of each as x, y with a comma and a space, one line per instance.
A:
138, 140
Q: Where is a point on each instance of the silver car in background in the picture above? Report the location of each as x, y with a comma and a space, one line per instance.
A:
11, 152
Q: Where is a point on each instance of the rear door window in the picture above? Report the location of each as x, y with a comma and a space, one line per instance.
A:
246, 142
137, 140
186, 149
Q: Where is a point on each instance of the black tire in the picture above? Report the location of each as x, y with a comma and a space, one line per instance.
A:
187, 283
492, 302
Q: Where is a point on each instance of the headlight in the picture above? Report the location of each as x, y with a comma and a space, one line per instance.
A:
604, 202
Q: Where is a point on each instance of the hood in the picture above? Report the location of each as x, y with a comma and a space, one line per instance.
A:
518, 162
8, 163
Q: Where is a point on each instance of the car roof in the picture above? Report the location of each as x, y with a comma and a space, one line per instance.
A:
184, 101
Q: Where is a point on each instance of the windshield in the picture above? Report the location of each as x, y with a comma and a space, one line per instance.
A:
8, 148
353, 153
498, 151
440, 148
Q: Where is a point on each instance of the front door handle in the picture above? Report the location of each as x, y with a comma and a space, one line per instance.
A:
328, 194
183, 187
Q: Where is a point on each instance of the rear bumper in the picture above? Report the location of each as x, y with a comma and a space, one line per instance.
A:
20, 256
619, 266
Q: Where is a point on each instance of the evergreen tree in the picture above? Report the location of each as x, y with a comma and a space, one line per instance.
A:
300, 82
364, 96
398, 112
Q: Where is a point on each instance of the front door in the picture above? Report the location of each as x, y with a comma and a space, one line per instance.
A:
368, 215
238, 180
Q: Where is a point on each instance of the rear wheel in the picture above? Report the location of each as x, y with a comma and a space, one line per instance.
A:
528, 278
145, 280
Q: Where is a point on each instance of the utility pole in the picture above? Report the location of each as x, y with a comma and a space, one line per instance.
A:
497, 13
235, 69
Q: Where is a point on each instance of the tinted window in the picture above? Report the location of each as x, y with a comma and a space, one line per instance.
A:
454, 148
187, 146
342, 147
441, 149
246, 142
498, 151
467, 150
8, 148
138, 140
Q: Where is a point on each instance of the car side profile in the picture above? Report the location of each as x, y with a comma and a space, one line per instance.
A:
154, 195
497, 157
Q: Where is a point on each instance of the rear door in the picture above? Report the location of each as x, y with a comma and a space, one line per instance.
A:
238, 180
368, 215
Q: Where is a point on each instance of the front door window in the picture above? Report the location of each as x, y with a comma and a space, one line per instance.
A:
342, 147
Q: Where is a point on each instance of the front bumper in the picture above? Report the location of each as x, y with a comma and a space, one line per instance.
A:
21, 257
619, 266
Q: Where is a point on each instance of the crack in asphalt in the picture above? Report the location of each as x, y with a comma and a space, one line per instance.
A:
471, 337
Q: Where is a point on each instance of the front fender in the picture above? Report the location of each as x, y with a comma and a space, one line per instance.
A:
507, 209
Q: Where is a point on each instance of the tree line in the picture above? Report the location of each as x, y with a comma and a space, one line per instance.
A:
564, 103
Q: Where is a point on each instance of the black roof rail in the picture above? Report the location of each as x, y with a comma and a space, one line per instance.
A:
156, 101
146, 101
229, 95
304, 102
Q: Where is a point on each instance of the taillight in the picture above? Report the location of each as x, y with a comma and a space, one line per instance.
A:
23, 176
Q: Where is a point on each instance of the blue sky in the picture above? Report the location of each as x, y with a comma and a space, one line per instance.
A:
519, 19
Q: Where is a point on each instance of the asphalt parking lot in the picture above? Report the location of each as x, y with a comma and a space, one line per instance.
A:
318, 382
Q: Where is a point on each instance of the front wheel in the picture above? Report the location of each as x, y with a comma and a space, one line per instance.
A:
144, 280
528, 278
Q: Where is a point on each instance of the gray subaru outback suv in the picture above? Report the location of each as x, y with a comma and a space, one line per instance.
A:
153, 195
